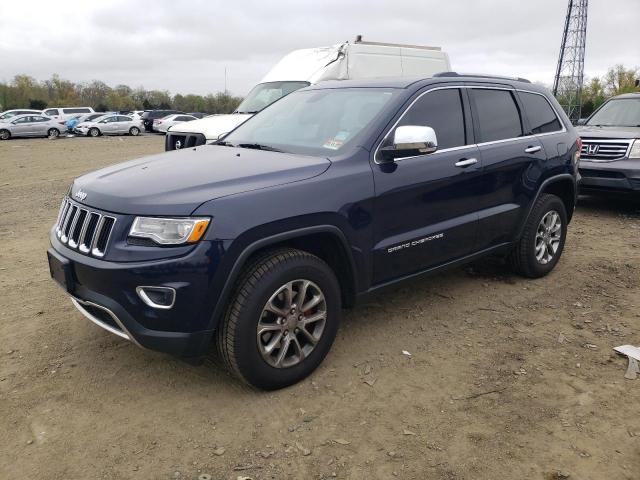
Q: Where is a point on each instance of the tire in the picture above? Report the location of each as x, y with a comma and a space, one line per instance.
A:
5, 134
134, 131
93, 132
53, 133
540, 247
265, 280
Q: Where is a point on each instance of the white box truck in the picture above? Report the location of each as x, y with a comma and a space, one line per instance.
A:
301, 68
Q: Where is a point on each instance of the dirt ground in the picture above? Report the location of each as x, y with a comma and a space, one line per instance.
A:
507, 378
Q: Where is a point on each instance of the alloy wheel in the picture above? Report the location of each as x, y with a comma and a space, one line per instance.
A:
291, 323
548, 237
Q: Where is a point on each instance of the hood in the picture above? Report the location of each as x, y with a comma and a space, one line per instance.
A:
177, 182
608, 132
212, 127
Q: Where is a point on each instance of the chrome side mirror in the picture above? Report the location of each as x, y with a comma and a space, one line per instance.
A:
411, 141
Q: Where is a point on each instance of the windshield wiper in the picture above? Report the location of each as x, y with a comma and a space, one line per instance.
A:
248, 113
258, 146
223, 143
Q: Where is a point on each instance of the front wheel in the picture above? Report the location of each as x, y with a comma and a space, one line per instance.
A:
94, 132
542, 241
134, 131
282, 319
53, 133
5, 134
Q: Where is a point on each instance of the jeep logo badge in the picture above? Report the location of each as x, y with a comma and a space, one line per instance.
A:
80, 195
178, 145
593, 149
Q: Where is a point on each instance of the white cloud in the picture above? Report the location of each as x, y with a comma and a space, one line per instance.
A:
185, 46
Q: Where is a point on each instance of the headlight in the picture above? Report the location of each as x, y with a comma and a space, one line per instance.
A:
169, 231
635, 149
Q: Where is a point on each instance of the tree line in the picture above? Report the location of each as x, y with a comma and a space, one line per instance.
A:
27, 92
616, 81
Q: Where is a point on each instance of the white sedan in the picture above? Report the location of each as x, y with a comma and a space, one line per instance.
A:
162, 124
109, 125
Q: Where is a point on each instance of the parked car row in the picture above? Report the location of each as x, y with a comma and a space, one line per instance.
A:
92, 125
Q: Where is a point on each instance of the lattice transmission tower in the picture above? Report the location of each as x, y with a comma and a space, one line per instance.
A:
567, 86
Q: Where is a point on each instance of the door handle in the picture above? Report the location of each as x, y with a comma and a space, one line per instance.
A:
465, 162
533, 149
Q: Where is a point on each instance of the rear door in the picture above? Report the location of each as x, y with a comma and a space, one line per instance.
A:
512, 160
41, 125
425, 208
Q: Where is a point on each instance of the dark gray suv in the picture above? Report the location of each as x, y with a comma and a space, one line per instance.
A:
610, 156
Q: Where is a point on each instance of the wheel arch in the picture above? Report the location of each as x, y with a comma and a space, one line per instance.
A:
563, 186
327, 242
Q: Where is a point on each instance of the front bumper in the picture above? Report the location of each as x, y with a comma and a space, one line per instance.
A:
616, 176
105, 292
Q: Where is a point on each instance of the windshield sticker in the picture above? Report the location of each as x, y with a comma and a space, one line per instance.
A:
333, 144
342, 136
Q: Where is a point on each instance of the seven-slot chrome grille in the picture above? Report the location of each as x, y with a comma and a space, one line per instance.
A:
83, 229
603, 150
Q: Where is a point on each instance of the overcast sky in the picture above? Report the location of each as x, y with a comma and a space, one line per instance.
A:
184, 46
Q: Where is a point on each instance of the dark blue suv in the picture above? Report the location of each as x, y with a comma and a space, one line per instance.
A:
257, 242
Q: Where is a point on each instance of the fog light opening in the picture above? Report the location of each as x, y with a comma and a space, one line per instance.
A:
157, 297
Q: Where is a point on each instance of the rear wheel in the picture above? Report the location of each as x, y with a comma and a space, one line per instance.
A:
5, 134
134, 131
94, 132
53, 133
282, 319
542, 241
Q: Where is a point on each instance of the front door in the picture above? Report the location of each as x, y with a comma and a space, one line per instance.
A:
425, 206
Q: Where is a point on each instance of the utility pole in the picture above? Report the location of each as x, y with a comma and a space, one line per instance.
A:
567, 85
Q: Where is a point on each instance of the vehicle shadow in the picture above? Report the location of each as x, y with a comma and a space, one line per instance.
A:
610, 203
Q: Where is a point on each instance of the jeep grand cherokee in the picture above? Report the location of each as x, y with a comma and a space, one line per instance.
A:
256, 243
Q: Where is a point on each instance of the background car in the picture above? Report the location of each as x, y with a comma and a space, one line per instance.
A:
198, 115
109, 125
161, 125
610, 157
149, 116
65, 113
72, 122
22, 111
29, 126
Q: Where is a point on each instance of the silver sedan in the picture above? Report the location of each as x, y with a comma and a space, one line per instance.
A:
109, 125
29, 126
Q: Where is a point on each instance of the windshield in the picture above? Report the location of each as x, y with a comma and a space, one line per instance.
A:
314, 122
7, 115
264, 94
623, 112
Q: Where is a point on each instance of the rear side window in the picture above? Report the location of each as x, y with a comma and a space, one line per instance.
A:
541, 116
498, 114
51, 111
76, 110
442, 111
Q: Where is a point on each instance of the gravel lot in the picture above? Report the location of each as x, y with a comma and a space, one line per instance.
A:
507, 378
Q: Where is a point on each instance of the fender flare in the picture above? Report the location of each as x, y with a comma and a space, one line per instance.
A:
546, 183
241, 259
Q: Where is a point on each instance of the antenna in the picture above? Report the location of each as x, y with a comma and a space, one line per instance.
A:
567, 85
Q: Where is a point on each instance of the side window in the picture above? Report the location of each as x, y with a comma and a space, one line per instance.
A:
498, 114
442, 111
51, 111
76, 110
40, 119
541, 116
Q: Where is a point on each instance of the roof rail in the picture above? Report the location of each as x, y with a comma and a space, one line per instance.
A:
384, 44
477, 75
